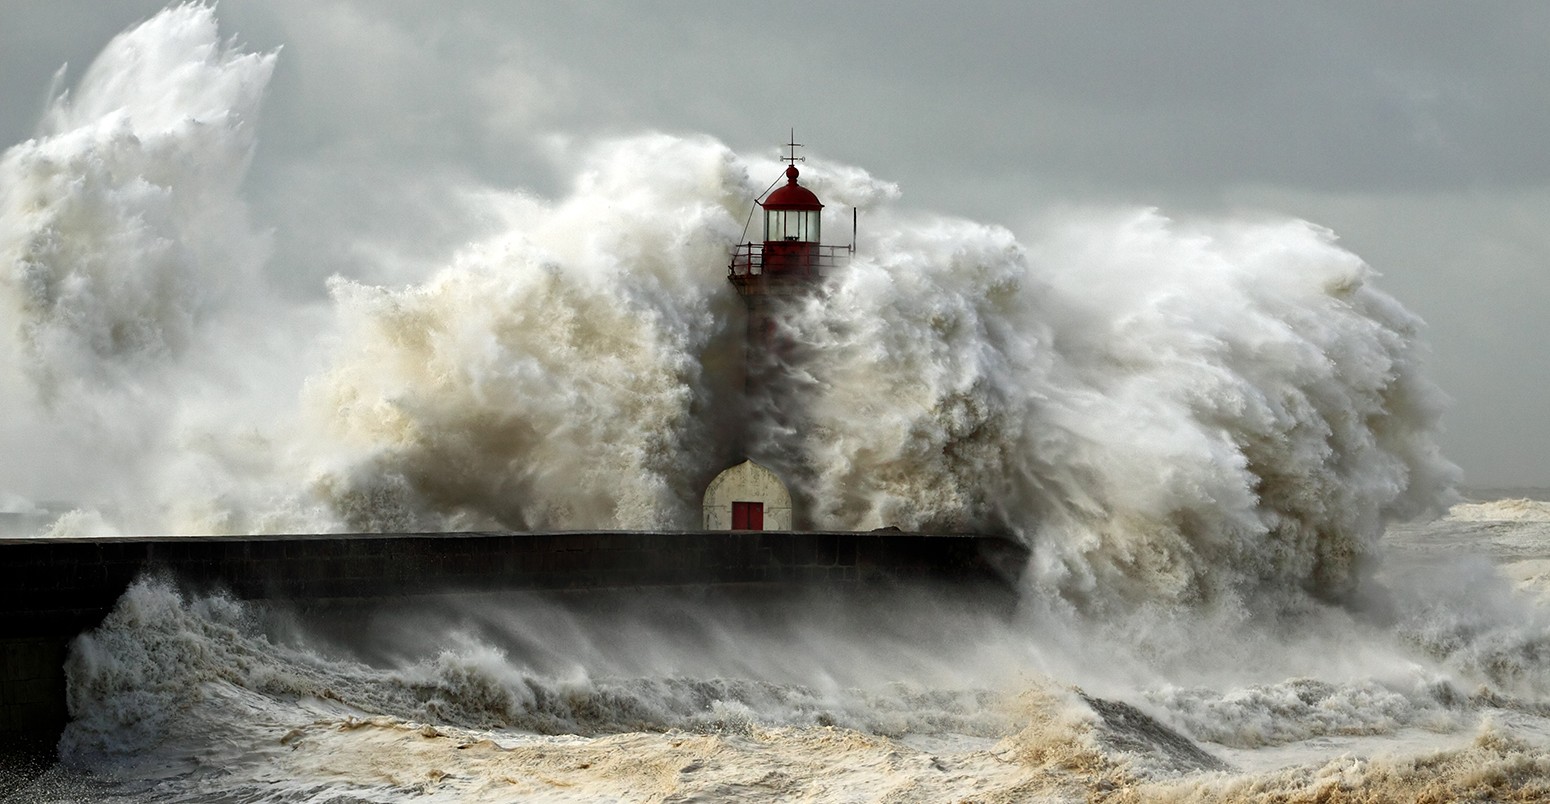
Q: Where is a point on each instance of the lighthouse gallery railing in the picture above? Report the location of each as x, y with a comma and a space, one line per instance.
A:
748, 260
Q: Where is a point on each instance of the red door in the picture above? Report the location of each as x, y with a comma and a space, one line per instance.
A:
748, 516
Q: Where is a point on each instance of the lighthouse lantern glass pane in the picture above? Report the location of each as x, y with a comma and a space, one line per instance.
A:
792, 224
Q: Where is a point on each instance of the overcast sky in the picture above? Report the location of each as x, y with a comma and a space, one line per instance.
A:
1416, 131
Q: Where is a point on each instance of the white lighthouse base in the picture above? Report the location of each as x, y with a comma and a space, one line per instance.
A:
747, 497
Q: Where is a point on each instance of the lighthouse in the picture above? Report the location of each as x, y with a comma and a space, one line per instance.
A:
773, 275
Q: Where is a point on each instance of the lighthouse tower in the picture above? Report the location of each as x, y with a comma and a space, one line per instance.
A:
788, 265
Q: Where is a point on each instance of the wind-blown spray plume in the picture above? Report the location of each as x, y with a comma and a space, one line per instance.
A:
562, 374
123, 229
1165, 412
123, 240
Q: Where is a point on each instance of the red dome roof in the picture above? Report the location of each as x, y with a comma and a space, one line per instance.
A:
793, 195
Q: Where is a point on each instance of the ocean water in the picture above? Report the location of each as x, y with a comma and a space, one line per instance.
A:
1251, 576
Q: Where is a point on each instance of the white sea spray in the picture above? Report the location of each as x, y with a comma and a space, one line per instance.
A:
1165, 411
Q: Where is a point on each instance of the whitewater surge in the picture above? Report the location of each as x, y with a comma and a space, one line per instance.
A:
1165, 411
129, 276
1161, 409
574, 371
169, 677
123, 228
1514, 510
901, 696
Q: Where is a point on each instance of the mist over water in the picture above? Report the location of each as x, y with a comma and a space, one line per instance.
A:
1202, 429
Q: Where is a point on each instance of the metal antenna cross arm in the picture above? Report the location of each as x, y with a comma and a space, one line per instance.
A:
793, 145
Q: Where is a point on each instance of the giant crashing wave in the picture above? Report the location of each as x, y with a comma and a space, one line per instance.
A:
1164, 411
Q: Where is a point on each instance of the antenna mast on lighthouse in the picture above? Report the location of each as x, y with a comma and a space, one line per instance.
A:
792, 158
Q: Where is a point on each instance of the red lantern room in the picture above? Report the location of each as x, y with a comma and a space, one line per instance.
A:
792, 218
791, 255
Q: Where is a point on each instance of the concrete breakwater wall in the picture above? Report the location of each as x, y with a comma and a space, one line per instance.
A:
53, 589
